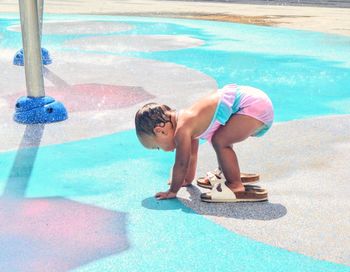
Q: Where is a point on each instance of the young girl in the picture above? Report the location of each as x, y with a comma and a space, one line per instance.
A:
225, 117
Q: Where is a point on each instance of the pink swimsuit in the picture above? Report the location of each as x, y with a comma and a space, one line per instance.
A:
244, 100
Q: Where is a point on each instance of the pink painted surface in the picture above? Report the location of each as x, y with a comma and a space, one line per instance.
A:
57, 234
93, 96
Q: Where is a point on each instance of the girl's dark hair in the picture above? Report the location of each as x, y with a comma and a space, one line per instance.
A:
150, 116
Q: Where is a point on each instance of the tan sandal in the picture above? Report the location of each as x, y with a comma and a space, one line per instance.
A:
222, 194
216, 176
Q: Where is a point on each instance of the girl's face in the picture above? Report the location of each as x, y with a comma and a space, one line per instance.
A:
163, 138
165, 142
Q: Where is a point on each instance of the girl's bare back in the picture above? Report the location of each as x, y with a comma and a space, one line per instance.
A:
198, 117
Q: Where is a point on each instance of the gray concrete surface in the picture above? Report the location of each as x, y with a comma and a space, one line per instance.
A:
70, 69
305, 166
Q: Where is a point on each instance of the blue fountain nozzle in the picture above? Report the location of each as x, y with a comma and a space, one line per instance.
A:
34, 110
19, 57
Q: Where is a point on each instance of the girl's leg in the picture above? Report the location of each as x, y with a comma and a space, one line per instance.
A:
238, 128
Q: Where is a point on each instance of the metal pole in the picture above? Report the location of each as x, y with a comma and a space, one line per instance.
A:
32, 47
41, 14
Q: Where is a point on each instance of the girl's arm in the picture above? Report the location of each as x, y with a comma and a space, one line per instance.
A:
191, 172
182, 160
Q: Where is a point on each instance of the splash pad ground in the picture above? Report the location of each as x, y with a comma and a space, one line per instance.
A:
78, 195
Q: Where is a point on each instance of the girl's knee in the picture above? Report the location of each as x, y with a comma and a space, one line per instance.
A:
217, 141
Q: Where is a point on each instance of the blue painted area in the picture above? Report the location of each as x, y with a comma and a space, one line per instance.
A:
116, 173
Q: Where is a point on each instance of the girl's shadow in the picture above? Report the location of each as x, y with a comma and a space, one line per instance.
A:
244, 210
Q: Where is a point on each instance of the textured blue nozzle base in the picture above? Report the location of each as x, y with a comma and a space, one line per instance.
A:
35, 110
19, 57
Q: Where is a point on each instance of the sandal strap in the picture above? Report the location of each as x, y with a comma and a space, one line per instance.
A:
217, 172
212, 178
221, 191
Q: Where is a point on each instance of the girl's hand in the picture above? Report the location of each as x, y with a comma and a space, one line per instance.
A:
165, 195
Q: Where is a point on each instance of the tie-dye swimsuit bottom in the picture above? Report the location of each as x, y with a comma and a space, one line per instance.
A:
244, 100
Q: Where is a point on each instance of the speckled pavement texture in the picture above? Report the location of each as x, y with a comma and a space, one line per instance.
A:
303, 163
306, 176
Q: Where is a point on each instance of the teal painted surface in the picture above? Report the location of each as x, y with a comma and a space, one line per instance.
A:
114, 172
306, 74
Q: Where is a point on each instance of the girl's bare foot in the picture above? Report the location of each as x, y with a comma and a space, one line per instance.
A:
235, 187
